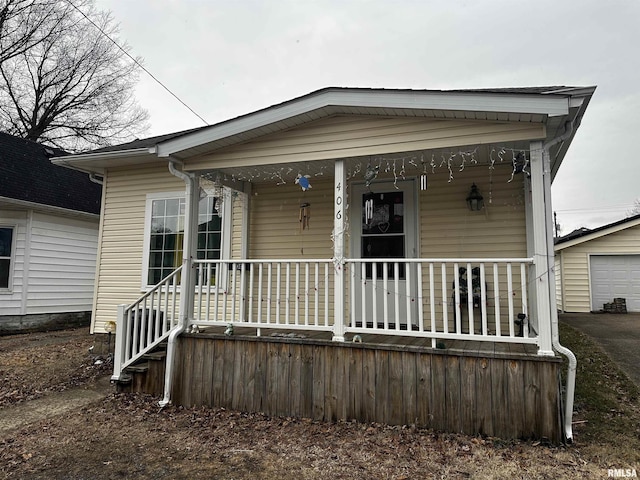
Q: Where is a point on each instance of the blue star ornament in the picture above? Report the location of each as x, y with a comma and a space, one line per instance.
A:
303, 181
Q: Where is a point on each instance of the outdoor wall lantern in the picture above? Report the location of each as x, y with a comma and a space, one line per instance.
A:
475, 201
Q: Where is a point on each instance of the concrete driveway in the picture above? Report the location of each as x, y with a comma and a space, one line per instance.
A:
618, 335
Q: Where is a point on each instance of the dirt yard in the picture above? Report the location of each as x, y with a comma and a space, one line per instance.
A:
128, 436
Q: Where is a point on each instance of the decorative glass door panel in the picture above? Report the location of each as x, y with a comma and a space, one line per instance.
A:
384, 232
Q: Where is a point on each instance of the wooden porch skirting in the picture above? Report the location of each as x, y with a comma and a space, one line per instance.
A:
472, 391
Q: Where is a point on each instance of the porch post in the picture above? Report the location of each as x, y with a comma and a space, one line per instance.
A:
540, 247
339, 205
188, 284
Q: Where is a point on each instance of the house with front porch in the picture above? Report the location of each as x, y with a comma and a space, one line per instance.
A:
370, 254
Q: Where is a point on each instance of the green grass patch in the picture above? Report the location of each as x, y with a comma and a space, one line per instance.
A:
607, 407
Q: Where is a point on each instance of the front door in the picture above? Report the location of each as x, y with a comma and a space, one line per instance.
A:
384, 227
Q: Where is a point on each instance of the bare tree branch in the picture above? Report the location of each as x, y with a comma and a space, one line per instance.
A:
73, 90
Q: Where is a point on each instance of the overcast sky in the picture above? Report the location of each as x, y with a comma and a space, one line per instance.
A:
228, 58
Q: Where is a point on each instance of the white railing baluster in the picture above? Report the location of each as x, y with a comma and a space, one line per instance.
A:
510, 300
234, 291
198, 299
316, 292
225, 292
396, 287
470, 299
287, 295
483, 300
420, 297
251, 295
297, 304
326, 295
525, 306
363, 293
241, 297
208, 295
374, 294
456, 288
278, 291
269, 291
408, 294
445, 308
306, 294
260, 298
496, 299
385, 294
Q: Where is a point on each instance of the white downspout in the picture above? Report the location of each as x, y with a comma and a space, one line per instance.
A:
555, 336
186, 278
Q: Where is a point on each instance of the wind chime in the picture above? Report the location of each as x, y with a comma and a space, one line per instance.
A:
368, 209
305, 215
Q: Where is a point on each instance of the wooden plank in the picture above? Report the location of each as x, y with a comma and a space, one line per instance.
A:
228, 372
318, 382
468, 395
550, 412
423, 389
355, 385
218, 367
532, 400
369, 399
282, 372
295, 390
396, 389
249, 376
240, 350
499, 399
452, 396
438, 389
207, 371
515, 393
341, 372
260, 377
306, 382
187, 370
409, 388
272, 372
484, 407
330, 387
382, 386
197, 380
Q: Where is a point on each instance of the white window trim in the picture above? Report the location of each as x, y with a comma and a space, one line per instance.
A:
12, 257
225, 234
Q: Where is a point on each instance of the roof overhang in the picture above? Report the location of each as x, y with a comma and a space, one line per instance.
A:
16, 204
554, 108
598, 233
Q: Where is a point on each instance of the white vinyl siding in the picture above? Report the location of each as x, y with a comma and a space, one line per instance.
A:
11, 299
62, 263
576, 285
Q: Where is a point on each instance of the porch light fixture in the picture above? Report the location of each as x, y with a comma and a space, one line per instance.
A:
475, 200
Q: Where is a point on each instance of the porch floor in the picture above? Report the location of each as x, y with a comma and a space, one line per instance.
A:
393, 342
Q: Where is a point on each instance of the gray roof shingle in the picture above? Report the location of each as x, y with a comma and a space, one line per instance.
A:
27, 174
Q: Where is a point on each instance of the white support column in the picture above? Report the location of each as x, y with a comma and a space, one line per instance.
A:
540, 247
244, 249
339, 205
188, 279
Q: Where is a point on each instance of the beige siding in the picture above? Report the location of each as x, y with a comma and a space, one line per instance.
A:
558, 276
339, 137
120, 256
575, 264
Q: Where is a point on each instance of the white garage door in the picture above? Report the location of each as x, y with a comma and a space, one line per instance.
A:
615, 276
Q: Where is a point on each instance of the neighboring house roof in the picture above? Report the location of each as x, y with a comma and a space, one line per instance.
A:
554, 105
27, 175
582, 235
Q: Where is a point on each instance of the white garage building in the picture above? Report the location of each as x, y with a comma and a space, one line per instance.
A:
595, 266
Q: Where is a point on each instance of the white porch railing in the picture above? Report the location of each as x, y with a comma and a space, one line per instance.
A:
470, 299
146, 322
457, 299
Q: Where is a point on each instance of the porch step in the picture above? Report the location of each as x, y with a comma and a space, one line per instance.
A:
138, 368
155, 356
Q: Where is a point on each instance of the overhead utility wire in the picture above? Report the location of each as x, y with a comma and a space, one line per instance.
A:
138, 63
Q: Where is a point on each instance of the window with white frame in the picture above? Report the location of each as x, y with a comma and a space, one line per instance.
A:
164, 233
6, 245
